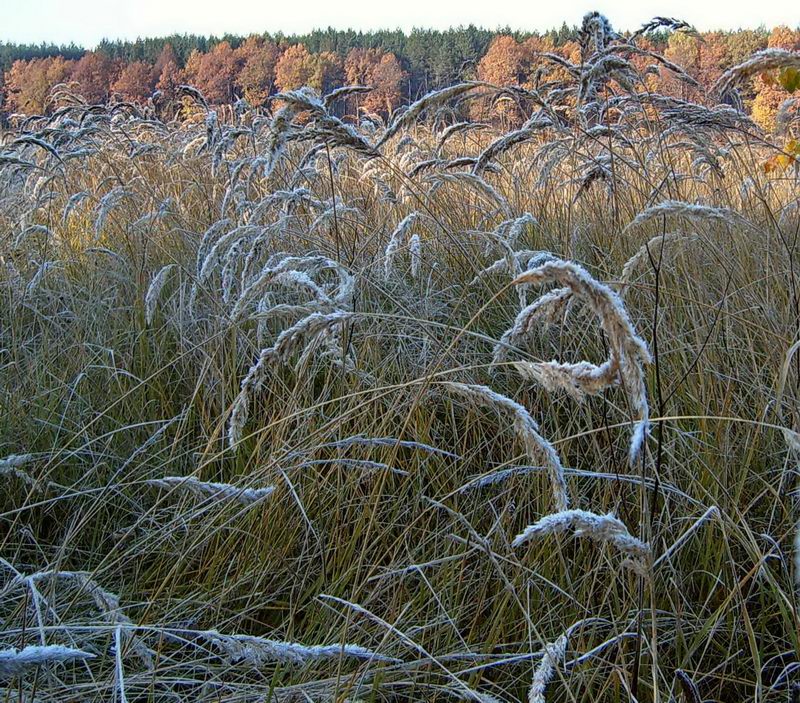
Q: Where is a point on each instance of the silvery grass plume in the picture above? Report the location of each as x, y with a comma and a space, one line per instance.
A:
628, 352
548, 308
165, 208
787, 114
74, 201
193, 93
12, 276
14, 662
39, 276
216, 252
511, 230
33, 140
107, 203
299, 335
600, 528
552, 656
154, 291
295, 272
34, 230
290, 199
415, 251
523, 260
694, 213
502, 144
597, 30
760, 62
434, 99
396, 240
652, 249
278, 138
345, 92
671, 23
257, 651
596, 74
208, 489
476, 182
209, 238
12, 466
458, 128
330, 130
536, 447
105, 601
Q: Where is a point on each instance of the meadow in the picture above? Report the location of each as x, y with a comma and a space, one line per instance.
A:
301, 408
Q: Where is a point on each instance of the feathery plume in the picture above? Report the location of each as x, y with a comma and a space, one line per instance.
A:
536, 446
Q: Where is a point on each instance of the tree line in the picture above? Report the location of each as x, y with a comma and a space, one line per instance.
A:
399, 66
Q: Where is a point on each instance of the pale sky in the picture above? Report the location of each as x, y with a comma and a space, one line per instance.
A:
87, 21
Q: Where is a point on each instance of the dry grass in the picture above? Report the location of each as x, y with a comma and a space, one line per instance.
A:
236, 467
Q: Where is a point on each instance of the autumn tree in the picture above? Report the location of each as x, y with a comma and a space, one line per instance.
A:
382, 72
503, 64
214, 73
256, 78
770, 94
28, 83
388, 78
328, 72
94, 74
135, 82
295, 68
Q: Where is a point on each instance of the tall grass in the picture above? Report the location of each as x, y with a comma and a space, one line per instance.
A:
266, 435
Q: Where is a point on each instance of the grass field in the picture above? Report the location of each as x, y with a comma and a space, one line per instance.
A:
277, 401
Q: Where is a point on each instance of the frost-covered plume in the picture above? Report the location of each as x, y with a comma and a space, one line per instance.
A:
523, 260
502, 144
552, 655
107, 203
458, 128
74, 201
298, 336
415, 251
597, 31
600, 528
154, 291
14, 662
42, 231
12, 466
549, 308
297, 272
699, 214
760, 62
653, 249
628, 352
257, 651
537, 447
209, 489
396, 240
486, 190
41, 272
434, 99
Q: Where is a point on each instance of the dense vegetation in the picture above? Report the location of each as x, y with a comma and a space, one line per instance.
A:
401, 67
304, 408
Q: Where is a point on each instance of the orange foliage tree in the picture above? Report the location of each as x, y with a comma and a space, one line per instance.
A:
214, 73
295, 68
28, 83
94, 74
258, 59
382, 72
135, 82
770, 93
